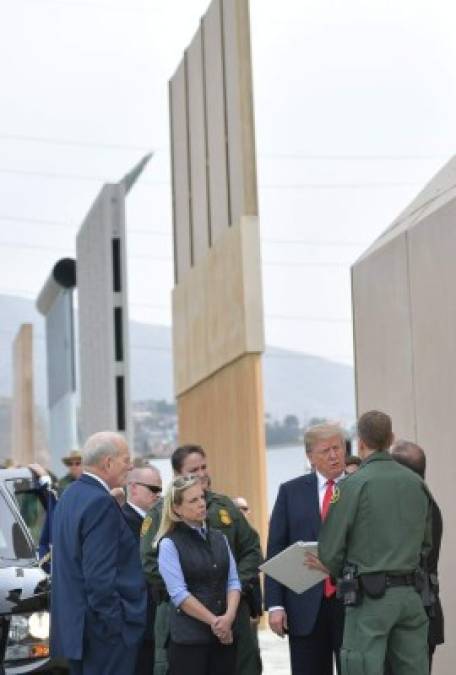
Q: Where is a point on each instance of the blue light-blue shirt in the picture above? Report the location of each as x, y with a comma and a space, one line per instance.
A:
171, 570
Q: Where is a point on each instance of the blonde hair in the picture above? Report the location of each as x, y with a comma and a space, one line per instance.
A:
174, 497
321, 432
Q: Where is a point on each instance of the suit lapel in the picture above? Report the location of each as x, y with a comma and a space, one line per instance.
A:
313, 503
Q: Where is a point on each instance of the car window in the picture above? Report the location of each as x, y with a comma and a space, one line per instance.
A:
30, 506
14, 545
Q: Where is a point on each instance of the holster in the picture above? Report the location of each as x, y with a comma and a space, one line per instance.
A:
374, 585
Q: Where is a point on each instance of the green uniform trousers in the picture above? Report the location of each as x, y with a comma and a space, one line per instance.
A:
248, 661
395, 624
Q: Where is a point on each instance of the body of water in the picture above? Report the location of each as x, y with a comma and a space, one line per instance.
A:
282, 464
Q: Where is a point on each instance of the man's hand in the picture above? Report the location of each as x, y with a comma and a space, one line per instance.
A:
278, 622
38, 469
314, 563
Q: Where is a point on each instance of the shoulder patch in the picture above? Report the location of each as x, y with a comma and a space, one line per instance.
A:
336, 495
225, 517
145, 527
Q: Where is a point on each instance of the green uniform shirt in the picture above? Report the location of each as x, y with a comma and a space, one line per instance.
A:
379, 519
222, 515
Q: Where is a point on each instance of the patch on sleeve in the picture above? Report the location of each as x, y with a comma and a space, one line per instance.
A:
145, 527
225, 517
336, 495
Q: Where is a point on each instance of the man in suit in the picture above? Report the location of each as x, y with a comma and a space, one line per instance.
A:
98, 602
144, 488
314, 619
412, 456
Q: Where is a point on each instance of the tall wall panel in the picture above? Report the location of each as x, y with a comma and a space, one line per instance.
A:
217, 299
200, 207
405, 284
103, 315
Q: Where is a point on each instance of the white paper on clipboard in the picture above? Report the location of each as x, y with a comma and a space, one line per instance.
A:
289, 568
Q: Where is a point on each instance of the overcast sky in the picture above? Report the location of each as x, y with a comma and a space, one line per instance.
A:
355, 106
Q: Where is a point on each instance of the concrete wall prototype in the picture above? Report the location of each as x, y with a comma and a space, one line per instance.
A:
55, 302
103, 316
404, 302
23, 427
217, 299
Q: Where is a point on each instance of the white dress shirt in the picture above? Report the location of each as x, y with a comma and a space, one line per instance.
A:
322, 485
100, 480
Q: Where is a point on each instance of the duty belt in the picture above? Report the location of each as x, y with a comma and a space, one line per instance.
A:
400, 579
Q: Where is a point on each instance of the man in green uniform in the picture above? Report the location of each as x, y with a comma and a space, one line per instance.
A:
244, 542
377, 529
74, 463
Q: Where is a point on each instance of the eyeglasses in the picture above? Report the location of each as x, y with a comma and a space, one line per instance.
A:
153, 488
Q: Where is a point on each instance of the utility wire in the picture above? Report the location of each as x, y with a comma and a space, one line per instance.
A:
163, 233
378, 185
266, 155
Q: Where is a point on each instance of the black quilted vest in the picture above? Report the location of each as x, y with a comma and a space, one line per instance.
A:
205, 565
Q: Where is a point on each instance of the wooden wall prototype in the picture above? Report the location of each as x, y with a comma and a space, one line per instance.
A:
223, 414
217, 298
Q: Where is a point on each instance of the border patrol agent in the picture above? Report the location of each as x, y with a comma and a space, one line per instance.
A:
377, 529
222, 514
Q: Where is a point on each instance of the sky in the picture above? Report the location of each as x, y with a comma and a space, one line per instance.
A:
355, 103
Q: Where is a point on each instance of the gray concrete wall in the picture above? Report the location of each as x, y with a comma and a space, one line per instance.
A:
404, 302
102, 368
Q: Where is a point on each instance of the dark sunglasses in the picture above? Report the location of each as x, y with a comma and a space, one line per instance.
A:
153, 488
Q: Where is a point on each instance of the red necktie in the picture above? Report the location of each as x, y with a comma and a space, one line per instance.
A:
329, 588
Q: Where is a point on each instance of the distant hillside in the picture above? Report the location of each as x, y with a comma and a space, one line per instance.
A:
295, 383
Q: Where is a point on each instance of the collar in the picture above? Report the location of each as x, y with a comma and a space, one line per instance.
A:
138, 510
100, 480
323, 482
378, 455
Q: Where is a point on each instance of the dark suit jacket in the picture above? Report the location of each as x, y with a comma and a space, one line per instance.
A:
133, 519
436, 632
295, 517
135, 522
97, 580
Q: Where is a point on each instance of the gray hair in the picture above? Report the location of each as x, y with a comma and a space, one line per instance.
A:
137, 475
321, 432
101, 445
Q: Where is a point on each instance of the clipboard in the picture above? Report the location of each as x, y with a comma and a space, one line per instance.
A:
288, 568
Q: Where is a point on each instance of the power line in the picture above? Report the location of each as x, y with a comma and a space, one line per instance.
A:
265, 186
92, 145
163, 233
66, 225
307, 242
162, 259
72, 177
97, 5
346, 158
266, 155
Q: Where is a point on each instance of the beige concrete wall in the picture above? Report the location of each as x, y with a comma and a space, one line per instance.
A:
216, 120
404, 297
239, 110
383, 335
217, 311
180, 173
23, 436
217, 300
212, 134
198, 148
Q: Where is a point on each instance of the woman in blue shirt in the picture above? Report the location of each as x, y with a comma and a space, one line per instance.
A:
201, 578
